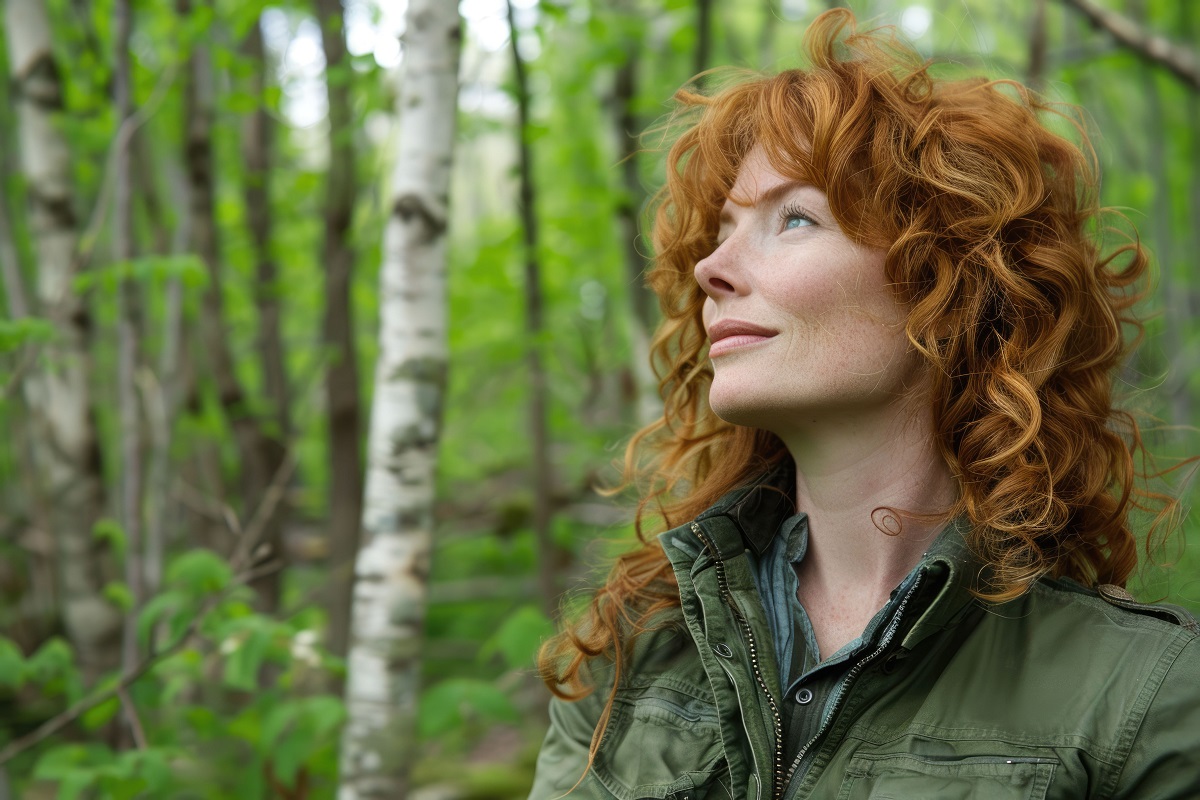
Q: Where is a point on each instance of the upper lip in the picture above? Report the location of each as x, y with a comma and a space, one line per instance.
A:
723, 329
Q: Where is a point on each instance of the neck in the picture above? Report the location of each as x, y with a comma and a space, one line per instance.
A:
860, 478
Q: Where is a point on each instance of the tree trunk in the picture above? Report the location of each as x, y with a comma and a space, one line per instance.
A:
58, 393
1188, 20
539, 432
1037, 47
167, 394
341, 376
257, 132
392, 569
642, 321
703, 50
128, 327
1173, 290
257, 450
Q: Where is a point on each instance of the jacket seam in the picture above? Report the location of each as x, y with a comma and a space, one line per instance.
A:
1137, 715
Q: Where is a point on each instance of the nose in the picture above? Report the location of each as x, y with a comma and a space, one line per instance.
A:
718, 273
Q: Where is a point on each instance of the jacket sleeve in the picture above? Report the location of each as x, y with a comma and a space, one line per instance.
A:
564, 755
1164, 760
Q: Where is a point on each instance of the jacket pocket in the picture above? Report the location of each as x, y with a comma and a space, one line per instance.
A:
904, 776
662, 744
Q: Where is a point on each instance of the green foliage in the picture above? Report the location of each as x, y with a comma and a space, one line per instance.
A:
460, 701
285, 729
518, 637
16, 333
152, 271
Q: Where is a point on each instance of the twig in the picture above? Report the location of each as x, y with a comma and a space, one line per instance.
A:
270, 501
135, 722
197, 501
60, 721
1180, 61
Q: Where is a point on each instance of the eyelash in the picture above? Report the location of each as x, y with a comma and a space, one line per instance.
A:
789, 211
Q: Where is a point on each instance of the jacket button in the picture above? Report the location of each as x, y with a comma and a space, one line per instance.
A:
804, 697
722, 650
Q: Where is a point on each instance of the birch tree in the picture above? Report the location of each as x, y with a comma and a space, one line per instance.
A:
58, 394
392, 568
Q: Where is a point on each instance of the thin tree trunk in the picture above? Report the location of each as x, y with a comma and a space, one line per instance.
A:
58, 394
392, 569
257, 132
169, 391
257, 136
766, 35
642, 321
128, 326
341, 376
1188, 25
1175, 294
256, 449
539, 432
1037, 46
703, 50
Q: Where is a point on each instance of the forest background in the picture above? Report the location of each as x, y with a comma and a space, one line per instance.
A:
192, 220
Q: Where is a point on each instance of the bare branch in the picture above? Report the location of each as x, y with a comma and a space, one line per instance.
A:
1180, 61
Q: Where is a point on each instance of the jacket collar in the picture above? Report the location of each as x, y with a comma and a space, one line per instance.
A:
758, 509
749, 518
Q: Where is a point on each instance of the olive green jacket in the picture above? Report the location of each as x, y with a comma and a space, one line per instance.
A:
1063, 693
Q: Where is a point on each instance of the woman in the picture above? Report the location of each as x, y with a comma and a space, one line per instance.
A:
896, 492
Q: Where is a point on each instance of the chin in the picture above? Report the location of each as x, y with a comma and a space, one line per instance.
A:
747, 411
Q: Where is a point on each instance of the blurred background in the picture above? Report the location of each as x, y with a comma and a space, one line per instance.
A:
190, 330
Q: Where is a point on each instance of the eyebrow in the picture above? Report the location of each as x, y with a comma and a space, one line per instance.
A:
771, 195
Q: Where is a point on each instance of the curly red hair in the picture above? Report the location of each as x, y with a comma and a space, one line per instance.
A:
990, 218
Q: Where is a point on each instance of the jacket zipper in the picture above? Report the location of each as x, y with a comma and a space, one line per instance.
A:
892, 627
777, 782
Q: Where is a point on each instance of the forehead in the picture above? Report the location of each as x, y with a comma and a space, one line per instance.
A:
759, 183
758, 178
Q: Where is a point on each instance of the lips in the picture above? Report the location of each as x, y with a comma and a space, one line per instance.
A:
728, 335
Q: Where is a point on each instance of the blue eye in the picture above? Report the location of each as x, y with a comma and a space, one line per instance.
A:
794, 217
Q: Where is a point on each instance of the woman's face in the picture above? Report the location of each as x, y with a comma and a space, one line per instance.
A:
803, 324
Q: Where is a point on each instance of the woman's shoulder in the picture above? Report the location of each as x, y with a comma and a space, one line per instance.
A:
1072, 631
1106, 613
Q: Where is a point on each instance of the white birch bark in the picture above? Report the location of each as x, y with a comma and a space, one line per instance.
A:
58, 395
392, 567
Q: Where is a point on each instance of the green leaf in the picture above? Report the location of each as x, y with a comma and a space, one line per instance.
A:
54, 659
154, 768
199, 572
74, 783
109, 530
244, 658
61, 759
173, 607
99, 715
12, 664
287, 756
119, 595
519, 637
